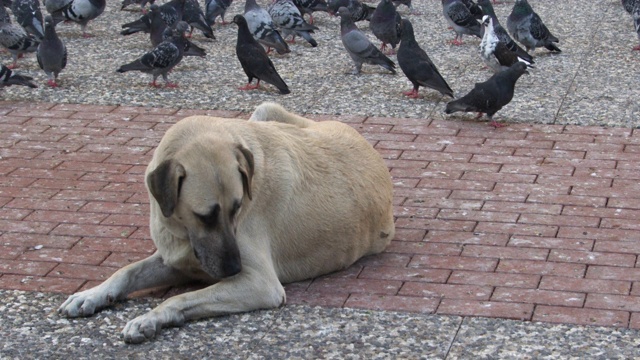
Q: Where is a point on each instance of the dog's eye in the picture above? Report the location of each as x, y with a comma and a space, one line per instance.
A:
211, 218
234, 209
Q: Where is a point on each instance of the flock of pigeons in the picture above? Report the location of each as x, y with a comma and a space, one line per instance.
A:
171, 24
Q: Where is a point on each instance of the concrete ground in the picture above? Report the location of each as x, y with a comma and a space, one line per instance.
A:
518, 242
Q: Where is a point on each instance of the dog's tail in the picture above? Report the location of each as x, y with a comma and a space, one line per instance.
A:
269, 111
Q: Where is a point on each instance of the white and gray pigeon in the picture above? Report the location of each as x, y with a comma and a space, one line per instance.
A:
311, 6
461, 20
9, 78
358, 45
386, 24
194, 16
162, 59
502, 33
359, 11
628, 5
263, 29
29, 16
52, 53
494, 52
490, 96
78, 11
527, 28
215, 8
417, 66
288, 18
636, 22
16, 40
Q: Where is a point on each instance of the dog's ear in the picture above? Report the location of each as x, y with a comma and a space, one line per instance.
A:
164, 184
246, 167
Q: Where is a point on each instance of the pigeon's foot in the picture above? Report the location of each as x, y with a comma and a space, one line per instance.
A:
636, 48
154, 84
171, 85
456, 42
52, 83
292, 41
13, 66
248, 87
224, 22
87, 35
411, 93
496, 124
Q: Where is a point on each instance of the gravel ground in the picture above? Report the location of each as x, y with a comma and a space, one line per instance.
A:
31, 329
592, 82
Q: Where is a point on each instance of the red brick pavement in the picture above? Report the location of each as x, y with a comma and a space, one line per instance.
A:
530, 222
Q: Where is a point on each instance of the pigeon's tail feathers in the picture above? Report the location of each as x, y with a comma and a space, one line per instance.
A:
284, 90
552, 47
132, 66
455, 106
439, 85
307, 36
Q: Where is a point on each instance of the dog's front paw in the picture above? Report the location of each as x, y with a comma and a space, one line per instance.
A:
144, 327
84, 303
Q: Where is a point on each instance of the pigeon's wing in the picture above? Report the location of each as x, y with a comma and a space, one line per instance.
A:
358, 44
460, 15
537, 28
162, 56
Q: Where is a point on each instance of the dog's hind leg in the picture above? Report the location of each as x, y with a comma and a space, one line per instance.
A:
147, 273
249, 290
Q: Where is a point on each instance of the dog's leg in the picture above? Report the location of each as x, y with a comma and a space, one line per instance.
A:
144, 274
249, 290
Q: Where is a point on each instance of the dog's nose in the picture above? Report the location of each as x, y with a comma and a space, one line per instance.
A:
231, 267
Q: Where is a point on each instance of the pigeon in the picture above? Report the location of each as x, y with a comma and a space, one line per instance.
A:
311, 6
142, 3
636, 22
4, 15
190, 49
215, 8
417, 66
502, 34
629, 4
150, 22
386, 25
79, 11
163, 58
29, 16
289, 19
490, 96
494, 52
263, 29
527, 28
358, 45
406, 3
52, 53
194, 16
461, 20
254, 59
15, 39
359, 11
474, 9
8, 78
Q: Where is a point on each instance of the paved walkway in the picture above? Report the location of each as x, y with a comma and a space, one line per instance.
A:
527, 222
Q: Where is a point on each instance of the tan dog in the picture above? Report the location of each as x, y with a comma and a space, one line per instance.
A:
246, 206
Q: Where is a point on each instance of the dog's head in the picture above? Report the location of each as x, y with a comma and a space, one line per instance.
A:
202, 188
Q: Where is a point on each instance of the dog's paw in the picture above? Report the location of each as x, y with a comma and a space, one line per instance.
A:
142, 328
84, 303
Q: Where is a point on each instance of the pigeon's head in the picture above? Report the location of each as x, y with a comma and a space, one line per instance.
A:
343, 12
154, 8
182, 27
239, 20
486, 20
519, 68
48, 21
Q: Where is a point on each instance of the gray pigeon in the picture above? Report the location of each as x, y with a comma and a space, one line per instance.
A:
289, 19
8, 78
461, 20
15, 39
52, 53
194, 16
151, 22
29, 16
417, 66
474, 9
636, 22
493, 51
359, 11
141, 3
215, 8
311, 6
190, 49
78, 11
527, 28
163, 58
386, 25
263, 29
358, 45
628, 5
254, 59
502, 34
490, 96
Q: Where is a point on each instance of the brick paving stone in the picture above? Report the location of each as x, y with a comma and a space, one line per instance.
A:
517, 311
538, 267
17, 267
78, 271
454, 262
404, 274
536, 296
395, 303
592, 258
43, 284
494, 279
447, 291
580, 316
563, 283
